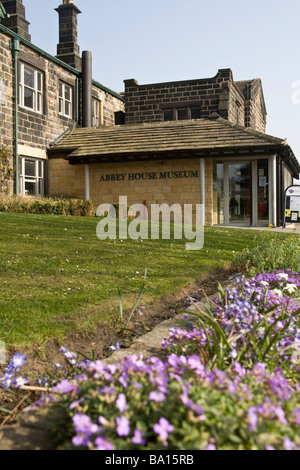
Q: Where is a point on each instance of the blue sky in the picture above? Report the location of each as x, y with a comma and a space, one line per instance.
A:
169, 40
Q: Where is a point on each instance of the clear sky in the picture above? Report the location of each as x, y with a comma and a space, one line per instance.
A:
170, 40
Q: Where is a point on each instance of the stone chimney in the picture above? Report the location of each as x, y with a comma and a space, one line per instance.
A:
16, 21
68, 49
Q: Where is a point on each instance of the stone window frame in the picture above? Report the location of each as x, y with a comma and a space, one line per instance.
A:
63, 101
171, 108
37, 89
96, 112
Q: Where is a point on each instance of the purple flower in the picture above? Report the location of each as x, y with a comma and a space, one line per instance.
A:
157, 396
116, 346
80, 440
65, 387
288, 444
7, 379
76, 403
83, 424
252, 417
18, 360
138, 437
210, 447
103, 444
20, 382
163, 428
239, 369
121, 402
296, 415
123, 427
259, 370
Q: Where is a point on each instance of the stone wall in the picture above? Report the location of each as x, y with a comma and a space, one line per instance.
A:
37, 130
6, 92
150, 103
147, 103
165, 181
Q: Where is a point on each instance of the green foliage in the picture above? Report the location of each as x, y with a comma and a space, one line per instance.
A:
271, 251
28, 205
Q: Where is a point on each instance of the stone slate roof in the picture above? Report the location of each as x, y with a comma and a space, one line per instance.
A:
198, 137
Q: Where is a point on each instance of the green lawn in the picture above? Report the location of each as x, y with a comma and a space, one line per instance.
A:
57, 276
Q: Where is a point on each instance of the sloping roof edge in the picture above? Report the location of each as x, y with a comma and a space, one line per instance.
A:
45, 54
71, 147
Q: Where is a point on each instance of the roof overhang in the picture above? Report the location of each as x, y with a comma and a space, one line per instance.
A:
206, 138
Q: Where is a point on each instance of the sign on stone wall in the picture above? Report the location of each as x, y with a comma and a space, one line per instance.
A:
154, 175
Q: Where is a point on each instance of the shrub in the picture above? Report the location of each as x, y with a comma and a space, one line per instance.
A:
28, 205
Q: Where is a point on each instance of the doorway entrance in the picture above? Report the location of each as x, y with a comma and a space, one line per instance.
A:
242, 192
238, 197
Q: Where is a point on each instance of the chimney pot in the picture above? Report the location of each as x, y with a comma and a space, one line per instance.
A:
67, 48
16, 21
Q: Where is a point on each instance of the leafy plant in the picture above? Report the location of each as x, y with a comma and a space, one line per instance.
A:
271, 251
125, 323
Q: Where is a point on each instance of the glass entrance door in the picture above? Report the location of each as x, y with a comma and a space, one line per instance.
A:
238, 193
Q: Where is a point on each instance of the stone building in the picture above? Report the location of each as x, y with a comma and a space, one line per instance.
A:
187, 142
41, 96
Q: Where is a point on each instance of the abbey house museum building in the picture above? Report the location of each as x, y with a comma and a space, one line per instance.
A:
198, 141
188, 142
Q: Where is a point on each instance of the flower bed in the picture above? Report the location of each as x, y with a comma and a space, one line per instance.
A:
231, 380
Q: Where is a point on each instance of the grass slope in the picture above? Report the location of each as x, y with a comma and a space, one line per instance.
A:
57, 276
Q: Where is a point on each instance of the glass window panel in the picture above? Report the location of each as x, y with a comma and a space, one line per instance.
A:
195, 113
30, 188
182, 114
41, 187
40, 169
39, 102
239, 192
65, 101
263, 190
39, 81
67, 109
168, 115
28, 77
30, 169
67, 93
28, 98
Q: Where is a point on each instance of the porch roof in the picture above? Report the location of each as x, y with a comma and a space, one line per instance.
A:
175, 139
